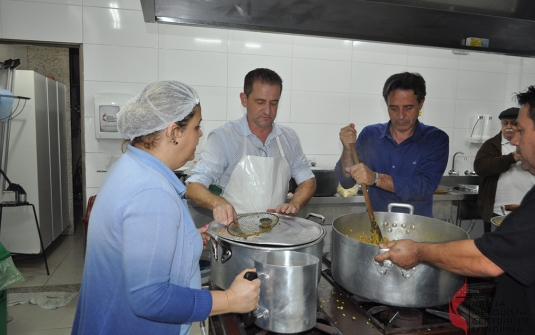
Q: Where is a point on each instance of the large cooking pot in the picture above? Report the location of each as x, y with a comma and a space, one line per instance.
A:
326, 182
230, 254
354, 268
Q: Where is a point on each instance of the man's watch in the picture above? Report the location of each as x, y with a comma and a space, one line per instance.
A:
376, 179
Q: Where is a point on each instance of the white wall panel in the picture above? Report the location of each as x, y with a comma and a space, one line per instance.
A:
125, 4
256, 43
439, 112
322, 48
381, 53
481, 86
370, 78
173, 36
528, 65
486, 62
319, 107
213, 102
118, 27
193, 67
528, 79
319, 138
41, 21
239, 65
120, 64
433, 57
368, 109
440, 83
321, 75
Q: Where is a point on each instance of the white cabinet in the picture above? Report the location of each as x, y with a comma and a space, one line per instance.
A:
37, 161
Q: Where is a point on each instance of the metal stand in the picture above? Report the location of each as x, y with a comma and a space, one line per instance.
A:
15, 204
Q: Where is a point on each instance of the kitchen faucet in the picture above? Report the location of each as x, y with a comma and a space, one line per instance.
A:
452, 172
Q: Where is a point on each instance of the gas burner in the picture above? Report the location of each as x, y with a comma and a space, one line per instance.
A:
402, 317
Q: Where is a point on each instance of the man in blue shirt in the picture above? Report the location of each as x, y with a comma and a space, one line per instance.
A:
403, 160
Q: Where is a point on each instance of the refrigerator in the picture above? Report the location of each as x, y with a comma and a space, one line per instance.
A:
38, 162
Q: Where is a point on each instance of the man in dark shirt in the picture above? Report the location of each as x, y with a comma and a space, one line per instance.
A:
507, 253
403, 159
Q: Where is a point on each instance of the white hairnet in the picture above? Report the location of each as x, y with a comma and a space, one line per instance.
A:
158, 105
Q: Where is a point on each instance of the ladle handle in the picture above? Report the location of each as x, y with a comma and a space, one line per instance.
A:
363, 187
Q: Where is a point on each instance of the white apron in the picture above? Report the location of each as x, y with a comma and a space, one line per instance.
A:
258, 183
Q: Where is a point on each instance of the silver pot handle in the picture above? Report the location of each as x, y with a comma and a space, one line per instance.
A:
385, 265
408, 206
261, 312
317, 216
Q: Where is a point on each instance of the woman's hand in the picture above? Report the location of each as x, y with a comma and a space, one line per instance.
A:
205, 238
243, 295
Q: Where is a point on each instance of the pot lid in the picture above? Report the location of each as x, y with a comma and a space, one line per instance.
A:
289, 231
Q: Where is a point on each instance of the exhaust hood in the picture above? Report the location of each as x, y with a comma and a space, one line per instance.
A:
509, 25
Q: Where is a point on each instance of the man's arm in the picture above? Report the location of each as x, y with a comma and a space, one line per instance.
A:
302, 194
223, 211
490, 162
461, 257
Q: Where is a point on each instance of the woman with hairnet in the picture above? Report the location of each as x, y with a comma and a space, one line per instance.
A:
141, 273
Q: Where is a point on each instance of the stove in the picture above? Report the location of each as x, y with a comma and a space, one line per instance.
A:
342, 313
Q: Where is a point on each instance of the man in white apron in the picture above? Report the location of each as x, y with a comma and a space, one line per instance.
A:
252, 159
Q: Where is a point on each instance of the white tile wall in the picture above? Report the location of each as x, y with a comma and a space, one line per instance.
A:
193, 67
328, 82
120, 64
322, 48
263, 44
114, 26
173, 36
125, 4
41, 21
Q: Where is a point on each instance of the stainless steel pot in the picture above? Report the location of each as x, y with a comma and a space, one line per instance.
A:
231, 255
354, 268
288, 291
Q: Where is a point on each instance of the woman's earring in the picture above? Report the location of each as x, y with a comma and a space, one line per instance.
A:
174, 142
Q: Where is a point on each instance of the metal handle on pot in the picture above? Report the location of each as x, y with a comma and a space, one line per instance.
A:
385, 265
250, 318
317, 216
408, 206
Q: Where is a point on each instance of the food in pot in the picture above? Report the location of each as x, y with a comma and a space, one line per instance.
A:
497, 223
372, 239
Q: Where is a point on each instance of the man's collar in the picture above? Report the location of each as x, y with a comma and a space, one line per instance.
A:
246, 131
415, 136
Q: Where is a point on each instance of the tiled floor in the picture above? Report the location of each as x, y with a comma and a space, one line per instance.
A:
65, 260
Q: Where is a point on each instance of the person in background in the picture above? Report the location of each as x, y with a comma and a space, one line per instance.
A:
141, 272
506, 253
501, 178
253, 158
403, 160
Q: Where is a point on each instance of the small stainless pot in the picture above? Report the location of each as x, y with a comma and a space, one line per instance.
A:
288, 291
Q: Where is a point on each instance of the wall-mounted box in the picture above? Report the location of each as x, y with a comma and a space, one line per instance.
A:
107, 105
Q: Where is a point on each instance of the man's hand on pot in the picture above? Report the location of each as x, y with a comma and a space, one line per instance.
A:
403, 253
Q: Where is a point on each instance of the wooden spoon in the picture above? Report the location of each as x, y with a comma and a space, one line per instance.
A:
374, 227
